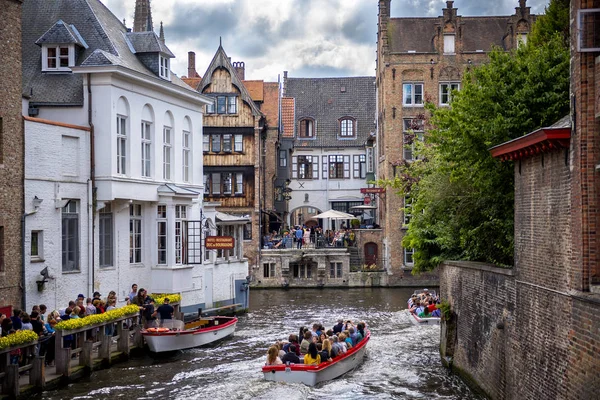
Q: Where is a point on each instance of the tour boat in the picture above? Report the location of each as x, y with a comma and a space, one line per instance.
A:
174, 335
415, 319
312, 374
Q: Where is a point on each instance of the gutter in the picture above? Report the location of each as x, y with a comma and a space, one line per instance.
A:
91, 194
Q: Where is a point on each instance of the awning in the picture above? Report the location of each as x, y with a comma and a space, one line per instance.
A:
170, 189
230, 219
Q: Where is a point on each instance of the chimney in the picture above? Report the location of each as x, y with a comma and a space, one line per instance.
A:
240, 70
449, 11
192, 65
284, 89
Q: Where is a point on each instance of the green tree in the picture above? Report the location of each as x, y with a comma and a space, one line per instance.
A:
554, 20
464, 197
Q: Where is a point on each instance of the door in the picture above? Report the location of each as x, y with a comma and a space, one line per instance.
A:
370, 253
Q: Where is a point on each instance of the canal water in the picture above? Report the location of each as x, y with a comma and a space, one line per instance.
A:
402, 360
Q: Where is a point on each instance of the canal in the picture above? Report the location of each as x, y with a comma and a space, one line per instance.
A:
402, 359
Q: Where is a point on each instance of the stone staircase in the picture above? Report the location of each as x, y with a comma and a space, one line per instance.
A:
355, 258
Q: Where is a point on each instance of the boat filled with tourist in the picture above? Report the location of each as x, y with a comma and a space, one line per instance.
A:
317, 355
423, 307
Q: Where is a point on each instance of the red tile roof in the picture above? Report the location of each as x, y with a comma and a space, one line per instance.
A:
288, 105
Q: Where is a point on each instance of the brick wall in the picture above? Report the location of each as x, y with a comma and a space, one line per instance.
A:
11, 145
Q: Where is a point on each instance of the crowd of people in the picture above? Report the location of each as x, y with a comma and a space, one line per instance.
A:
42, 322
316, 345
424, 304
303, 236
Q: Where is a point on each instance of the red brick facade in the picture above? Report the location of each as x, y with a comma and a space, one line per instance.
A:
11, 154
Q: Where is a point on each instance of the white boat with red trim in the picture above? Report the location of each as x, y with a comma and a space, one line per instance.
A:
415, 319
174, 335
312, 374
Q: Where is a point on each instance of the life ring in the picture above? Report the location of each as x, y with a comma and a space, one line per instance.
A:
158, 330
152, 329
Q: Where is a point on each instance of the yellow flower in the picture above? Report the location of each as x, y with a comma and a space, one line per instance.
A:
159, 298
97, 318
18, 338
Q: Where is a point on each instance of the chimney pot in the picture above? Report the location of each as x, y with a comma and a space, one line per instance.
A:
449, 4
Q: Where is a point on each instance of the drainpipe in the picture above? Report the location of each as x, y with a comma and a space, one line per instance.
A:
25, 215
91, 193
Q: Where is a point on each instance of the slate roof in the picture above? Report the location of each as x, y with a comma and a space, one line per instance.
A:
326, 100
61, 33
478, 33
147, 42
103, 33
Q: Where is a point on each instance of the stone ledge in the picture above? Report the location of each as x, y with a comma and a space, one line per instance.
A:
479, 266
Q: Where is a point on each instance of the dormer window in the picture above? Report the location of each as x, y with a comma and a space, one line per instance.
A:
164, 71
347, 127
58, 57
307, 128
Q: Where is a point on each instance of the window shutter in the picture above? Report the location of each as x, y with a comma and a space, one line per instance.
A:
315, 167
356, 166
295, 167
346, 167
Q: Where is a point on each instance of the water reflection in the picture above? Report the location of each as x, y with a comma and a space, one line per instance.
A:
402, 359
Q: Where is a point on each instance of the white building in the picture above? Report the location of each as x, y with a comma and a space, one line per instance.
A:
139, 165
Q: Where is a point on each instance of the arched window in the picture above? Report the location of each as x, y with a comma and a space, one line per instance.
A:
347, 127
147, 137
306, 128
122, 135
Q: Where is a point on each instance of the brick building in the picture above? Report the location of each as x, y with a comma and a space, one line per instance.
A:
11, 156
422, 60
540, 334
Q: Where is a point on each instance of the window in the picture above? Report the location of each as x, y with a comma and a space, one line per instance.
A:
226, 104
121, 144
57, 57
446, 92
449, 44
412, 94
146, 148
407, 210
248, 231
215, 143
269, 270
413, 131
227, 143
238, 143
180, 216
215, 180
347, 127
307, 128
360, 166
302, 270
227, 184
70, 237
37, 240
408, 257
521, 39
335, 270
305, 167
205, 143
135, 233
186, 156
161, 232
210, 108
283, 158
164, 66
105, 235
167, 152
2, 268
339, 167
239, 183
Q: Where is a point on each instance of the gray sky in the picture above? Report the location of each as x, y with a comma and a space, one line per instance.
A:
308, 38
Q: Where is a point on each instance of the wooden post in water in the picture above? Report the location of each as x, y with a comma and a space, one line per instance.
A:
123, 341
62, 357
11, 380
37, 375
105, 342
86, 358
138, 339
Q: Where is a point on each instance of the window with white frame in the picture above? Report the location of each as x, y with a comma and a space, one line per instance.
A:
283, 158
347, 127
339, 167
161, 232
407, 210
186, 156
167, 152
413, 131
446, 89
412, 94
58, 57
449, 44
164, 67
360, 166
106, 237
121, 144
135, 233
205, 143
231, 105
37, 246
408, 257
239, 183
238, 143
335, 270
306, 128
305, 167
146, 148
70, 236
180, 216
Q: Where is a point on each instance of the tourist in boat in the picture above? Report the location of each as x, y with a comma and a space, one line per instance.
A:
419, 309
149, 313
334, 348
165, 311
436, 313
345, 338
337, 328
326, 351
360, 331
425, 313
292, 341
312, 357
273, 356
291, 357
306, 342
353, 336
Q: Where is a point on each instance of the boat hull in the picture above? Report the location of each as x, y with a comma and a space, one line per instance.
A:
424, 321
179, 340
312, 374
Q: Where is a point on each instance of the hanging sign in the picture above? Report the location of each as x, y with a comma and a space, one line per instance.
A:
219, 242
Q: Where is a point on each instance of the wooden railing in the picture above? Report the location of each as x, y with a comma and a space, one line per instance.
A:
9, 373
